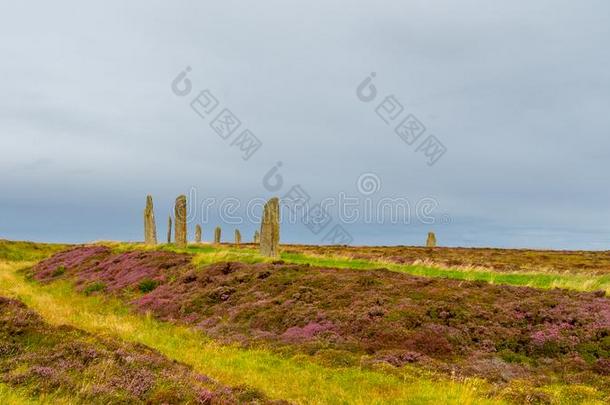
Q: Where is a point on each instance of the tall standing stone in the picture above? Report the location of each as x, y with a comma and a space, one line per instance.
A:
237, 237
150, 228
180, 218
431, 242
270, 229
198, 233
169, 229
217, 234
257, 237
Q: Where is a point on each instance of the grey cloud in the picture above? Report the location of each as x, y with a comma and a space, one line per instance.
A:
518, 92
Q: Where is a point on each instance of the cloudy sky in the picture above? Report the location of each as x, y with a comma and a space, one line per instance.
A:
518, 92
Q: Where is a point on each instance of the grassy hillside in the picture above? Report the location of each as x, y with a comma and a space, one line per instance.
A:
27, 251
280, 377
297, 330
64, 364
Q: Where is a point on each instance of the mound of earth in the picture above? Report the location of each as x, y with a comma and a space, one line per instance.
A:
44, 359
473, 328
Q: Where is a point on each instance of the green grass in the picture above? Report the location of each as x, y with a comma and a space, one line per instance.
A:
27, 251
12, 396
293, 378
94, 287
16, 396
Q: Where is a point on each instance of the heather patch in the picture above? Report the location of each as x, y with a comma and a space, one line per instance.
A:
40, 359
307, 332
501, 333
72, 259
294, 378
97, 266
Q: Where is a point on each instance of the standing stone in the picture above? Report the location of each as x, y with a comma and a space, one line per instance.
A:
257, 237
180, 218
150, 228
431, 242
237, 237
217, 233
197, 233
169, 230
270, 229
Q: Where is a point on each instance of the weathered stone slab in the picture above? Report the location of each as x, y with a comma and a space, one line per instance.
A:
270, 229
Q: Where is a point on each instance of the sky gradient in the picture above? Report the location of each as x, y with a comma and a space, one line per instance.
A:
518, 92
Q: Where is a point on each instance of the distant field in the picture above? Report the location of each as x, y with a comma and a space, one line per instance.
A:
341, 257
501, 260
578, 270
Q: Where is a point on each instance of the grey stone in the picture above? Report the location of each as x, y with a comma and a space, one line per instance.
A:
270, 229
217, 235
197, 233
180, 237
431, 241
150, 227
169, 229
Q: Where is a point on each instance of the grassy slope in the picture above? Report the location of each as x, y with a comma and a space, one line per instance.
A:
301, 380
294, 379
27, 251
61, 361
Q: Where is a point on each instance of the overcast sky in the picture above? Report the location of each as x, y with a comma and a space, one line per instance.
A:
518, 92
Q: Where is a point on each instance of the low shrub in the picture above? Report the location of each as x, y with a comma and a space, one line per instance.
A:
94, 287
511, 357
147, 285
60, 270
